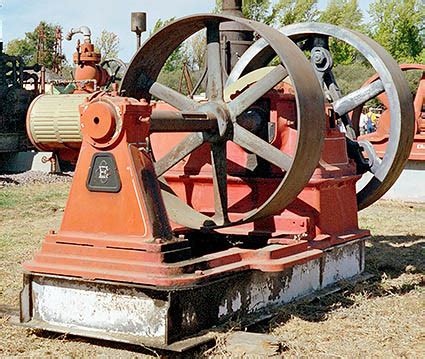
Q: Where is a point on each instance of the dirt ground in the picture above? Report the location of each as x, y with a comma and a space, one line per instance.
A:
383, 317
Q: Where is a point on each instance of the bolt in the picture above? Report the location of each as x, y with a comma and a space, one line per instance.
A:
318, 57
199, 272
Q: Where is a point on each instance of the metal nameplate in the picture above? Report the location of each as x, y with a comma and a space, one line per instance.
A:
103, 174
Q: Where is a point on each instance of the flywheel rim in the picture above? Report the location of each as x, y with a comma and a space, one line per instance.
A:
140, 81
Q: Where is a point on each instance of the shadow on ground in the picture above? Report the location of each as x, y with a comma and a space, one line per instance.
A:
196, 352
8, 180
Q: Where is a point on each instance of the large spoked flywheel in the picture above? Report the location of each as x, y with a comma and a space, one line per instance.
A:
314, 39
141, 81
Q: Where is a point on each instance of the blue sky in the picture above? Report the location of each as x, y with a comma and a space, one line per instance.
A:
20, 16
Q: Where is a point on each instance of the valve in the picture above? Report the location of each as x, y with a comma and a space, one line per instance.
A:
89, 74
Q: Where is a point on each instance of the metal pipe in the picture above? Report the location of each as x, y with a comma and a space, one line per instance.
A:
43, 80
172, 121
138, 41
232, 7
235, 38
84, 30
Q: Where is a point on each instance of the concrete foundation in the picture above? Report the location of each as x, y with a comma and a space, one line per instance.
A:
160, 317
24, 161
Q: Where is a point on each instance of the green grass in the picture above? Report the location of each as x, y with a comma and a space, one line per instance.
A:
8, 199
30, 200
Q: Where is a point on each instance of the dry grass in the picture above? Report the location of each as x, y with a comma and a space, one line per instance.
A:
383, 317
27, 213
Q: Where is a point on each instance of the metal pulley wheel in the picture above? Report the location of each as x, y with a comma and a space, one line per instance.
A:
140, 81
314, 38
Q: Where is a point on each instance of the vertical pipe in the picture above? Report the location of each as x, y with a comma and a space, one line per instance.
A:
21, 72
43, 80
138, 41
138, 26
235, 38
232, 7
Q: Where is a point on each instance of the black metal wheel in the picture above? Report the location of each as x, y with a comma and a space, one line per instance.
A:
140, 81
314, 37
116, 69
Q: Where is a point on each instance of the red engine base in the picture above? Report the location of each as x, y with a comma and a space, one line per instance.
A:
121, 232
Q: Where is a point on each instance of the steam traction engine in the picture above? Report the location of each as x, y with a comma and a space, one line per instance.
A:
19, 85
184, 214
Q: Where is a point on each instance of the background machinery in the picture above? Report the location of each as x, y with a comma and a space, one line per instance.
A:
19, 85
62, 137
185, 214
413, 175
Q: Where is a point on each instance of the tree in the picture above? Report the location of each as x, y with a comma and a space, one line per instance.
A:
344, 13
36, 46
258, 10
399, 25
108, 44
287, 12
282, 12
178, 57
22, 48
196, 49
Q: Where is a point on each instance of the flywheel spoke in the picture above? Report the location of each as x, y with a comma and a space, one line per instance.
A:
179, 152
215, 88
261, 148
256, 91
172, 97
219, 167
166, 94
349, 102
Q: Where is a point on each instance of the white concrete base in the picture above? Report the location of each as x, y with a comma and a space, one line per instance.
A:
161, 316
24, 161
114, 312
